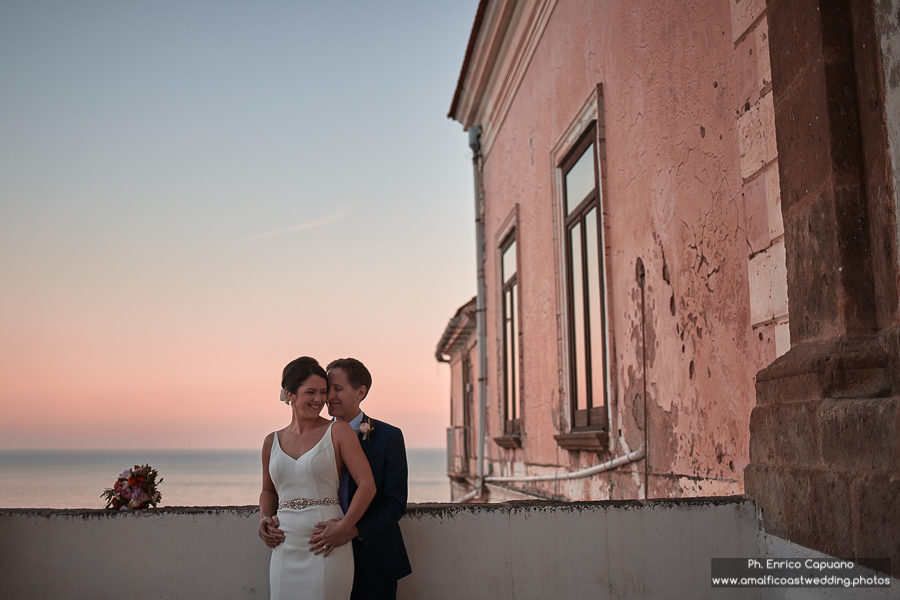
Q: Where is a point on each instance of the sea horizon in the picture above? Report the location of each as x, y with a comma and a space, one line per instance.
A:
75, 478
256, 449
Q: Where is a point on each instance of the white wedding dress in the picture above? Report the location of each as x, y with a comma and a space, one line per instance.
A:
295, 572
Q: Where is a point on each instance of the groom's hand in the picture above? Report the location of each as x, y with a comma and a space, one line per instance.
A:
269, 532
330, 534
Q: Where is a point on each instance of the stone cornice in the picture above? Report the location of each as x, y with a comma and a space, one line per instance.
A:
504, 45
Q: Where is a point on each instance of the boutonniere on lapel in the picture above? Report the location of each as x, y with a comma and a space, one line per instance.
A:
366, 428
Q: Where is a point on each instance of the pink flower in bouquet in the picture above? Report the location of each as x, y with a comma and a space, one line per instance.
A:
139, 495
125, 491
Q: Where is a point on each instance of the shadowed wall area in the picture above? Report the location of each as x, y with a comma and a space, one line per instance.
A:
825, 462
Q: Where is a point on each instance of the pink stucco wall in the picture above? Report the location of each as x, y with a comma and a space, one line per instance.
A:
675, 82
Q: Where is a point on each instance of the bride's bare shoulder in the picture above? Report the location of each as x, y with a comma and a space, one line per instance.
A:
341, 430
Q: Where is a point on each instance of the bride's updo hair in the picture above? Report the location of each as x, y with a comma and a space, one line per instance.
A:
299, 370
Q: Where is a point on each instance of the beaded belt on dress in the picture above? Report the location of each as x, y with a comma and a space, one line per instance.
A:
300, 503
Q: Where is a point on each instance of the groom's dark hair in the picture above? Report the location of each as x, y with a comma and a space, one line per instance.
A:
357, 373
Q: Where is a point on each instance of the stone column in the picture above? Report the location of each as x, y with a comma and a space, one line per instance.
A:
824, 459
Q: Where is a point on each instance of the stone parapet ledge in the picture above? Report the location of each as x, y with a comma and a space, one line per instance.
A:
145, 512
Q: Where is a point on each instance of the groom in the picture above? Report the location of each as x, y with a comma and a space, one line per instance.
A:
378, 549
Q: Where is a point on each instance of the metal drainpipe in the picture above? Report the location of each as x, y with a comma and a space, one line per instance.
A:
607, 466
642, 278
475, 145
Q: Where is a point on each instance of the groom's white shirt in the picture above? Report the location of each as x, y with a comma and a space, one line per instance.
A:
357, 421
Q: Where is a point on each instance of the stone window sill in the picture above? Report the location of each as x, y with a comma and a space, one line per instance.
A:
593, 441
510, 440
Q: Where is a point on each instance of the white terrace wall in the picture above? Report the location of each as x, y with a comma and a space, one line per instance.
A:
521, 550
610, 549
179, 553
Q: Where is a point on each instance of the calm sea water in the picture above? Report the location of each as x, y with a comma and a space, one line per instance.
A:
75, 478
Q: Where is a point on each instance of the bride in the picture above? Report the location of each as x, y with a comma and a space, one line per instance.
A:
302, 464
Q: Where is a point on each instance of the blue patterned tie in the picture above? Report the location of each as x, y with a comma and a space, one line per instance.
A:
344, 491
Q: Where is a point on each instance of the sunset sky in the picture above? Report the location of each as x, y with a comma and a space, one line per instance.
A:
192, 194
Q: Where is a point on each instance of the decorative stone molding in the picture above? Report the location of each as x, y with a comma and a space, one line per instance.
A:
508, 37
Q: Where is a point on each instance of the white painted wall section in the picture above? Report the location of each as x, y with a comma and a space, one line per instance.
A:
768, 284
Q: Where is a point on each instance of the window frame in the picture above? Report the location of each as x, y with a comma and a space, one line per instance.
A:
563, 155
468, 403
594, 415
509, 292
509, 431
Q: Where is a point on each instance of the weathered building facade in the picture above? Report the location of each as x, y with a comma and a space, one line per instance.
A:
633, 245
653, 182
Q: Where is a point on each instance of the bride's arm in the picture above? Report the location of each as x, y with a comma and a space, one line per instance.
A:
337, 532
268, 501
355, 461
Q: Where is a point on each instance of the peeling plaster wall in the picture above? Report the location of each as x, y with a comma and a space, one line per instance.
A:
692, 191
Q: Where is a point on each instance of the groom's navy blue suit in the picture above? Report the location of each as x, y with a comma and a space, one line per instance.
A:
379, 553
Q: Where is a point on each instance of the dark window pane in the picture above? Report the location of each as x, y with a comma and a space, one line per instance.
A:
595, 307
508, 353
514, 345
580, 180
578, 358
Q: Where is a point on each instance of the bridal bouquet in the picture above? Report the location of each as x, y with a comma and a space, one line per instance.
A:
135, 488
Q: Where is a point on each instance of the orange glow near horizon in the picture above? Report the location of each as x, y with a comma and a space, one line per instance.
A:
202, 390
